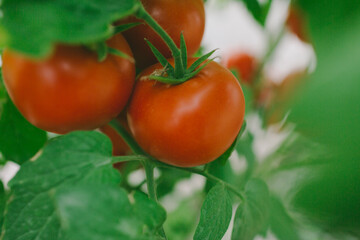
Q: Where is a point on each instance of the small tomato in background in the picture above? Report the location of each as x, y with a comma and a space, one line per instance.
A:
70, 90
245, 64
176, 17
188, 124
296, 23
278, 97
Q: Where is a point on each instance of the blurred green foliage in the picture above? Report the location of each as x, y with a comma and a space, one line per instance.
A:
327, 110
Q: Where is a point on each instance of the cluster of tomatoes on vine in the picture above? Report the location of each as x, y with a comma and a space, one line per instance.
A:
183, 116
271, 97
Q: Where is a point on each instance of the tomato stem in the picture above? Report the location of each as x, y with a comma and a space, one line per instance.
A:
149, 171
273, 44
146, 160
144, 15
118, 159
135, 148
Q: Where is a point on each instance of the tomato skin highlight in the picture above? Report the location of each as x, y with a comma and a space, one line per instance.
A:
70, 90
189, 124
187, 16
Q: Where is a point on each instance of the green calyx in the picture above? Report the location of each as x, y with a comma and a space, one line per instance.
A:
180, 73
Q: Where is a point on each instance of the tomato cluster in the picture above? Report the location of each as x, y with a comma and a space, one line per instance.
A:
186, 124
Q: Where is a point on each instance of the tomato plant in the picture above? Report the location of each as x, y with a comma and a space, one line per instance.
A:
70, 90
66, 69
176, 17
189, 124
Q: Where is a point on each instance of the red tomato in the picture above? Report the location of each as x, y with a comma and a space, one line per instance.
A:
120, 148
187, 16
295, 22
245, 64
189, 124
70, 90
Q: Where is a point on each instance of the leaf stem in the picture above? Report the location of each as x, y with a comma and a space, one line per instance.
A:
146, 160
118, 159
149, 171
127, 138
144, 15
206, 175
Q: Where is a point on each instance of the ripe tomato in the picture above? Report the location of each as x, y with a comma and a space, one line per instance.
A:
245, 64
70, 90
189, 124
120, 148
187, 16
295, 22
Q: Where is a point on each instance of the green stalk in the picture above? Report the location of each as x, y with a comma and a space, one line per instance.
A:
149, 171
127, 138
146, 161
273, 44
119, 159
144, 15
206, 175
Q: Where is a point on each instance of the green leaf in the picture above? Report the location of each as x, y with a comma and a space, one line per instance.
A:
258, 11
46, 22
3, 95
162, 60
102, 51
168, 179
183, 50
244, 148
330, 197
221, 170
252, 214
105, 212
255, 9
199, 61
181, 223
327, 109
281, 224
167, 80
149, 212
121, 54
124, 27
2, 203
19, 140
249, 99
215, 215
79, 157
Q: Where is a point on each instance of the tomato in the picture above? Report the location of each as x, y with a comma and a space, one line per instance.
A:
70, 90
295, 22
187, 16
189, 124
120, 148
244, 64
